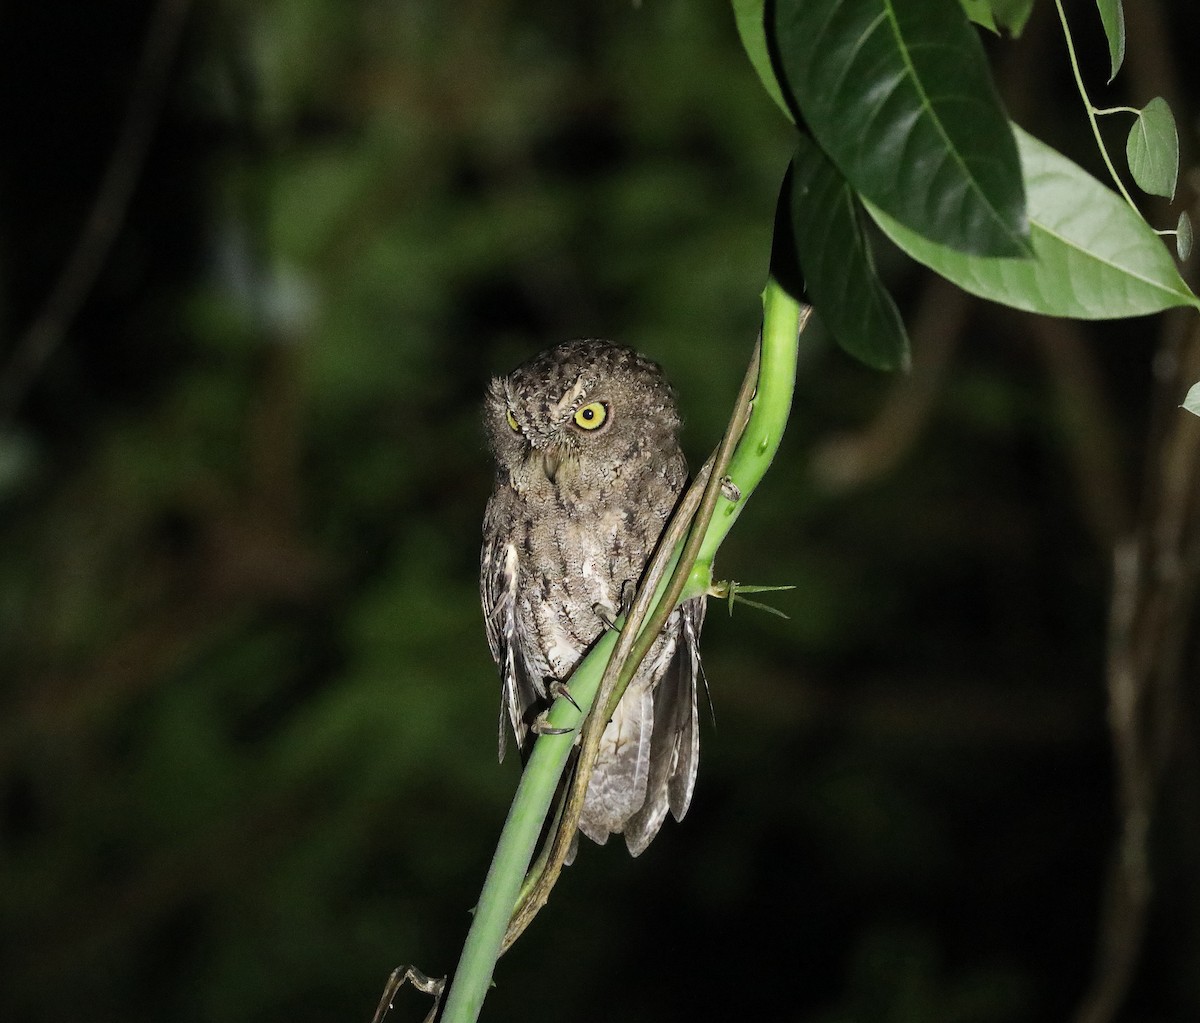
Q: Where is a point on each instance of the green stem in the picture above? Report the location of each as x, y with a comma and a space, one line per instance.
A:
783, 318
718, 467
1091, 110
518, 839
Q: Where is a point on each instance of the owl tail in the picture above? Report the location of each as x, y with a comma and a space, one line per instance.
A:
617, 788
675, 748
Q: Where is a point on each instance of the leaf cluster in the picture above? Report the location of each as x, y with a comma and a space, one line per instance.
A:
898, 119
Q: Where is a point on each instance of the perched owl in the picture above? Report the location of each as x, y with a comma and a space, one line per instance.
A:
588, 469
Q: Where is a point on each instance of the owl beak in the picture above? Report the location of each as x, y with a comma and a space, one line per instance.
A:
551, 460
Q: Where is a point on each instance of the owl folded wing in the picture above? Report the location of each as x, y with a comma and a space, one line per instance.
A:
521, 688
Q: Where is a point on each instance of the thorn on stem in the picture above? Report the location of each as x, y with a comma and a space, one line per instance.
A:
733, 592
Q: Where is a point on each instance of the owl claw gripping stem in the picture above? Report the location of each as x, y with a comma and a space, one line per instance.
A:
559, 690
541, 726
588, 469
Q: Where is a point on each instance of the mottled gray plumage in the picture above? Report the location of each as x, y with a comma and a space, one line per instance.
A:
588, 469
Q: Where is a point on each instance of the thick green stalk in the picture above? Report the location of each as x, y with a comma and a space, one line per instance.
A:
783, 318
518, 840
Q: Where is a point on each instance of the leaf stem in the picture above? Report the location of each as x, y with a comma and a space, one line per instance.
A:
1092, 111
783, 321
535, 792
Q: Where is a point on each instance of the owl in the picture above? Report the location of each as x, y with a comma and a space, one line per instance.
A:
588, 470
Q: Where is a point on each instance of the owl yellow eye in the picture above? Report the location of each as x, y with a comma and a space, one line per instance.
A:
591, 416
512, 421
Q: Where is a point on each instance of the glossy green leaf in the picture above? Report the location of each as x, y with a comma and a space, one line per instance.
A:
899, 94
1153, 149
1183, 236
1112, 14
752, 29
1094, 257
1192, 401
824, 217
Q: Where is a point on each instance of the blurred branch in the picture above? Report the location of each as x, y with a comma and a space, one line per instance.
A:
1086, 426
855, 459
1154, 588
107, 214
1155, 573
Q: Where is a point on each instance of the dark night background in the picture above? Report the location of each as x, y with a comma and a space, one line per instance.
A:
247, 718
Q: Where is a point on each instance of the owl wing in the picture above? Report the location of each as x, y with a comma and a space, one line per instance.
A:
498, 579
675, 742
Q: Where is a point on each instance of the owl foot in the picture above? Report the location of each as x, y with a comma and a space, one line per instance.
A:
609, 615
628, 593
559, 690
606, 615
542, 726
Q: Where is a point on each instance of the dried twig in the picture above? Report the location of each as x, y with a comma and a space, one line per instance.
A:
432, 986
1155, 576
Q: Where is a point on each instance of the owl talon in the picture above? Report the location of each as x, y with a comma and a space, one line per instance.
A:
560, 690
606, 615
541, 726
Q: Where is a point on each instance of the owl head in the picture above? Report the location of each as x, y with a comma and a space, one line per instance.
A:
584, 411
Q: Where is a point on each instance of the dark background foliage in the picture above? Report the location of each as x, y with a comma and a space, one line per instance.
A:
247, 731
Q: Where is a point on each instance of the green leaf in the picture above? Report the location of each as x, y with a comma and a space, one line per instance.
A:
1094, 257
1183, 236
899, 94
1153, 149
1012, 14
998, 14
752, 29
821, 211
1113, 16
1192, 401
980, 12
